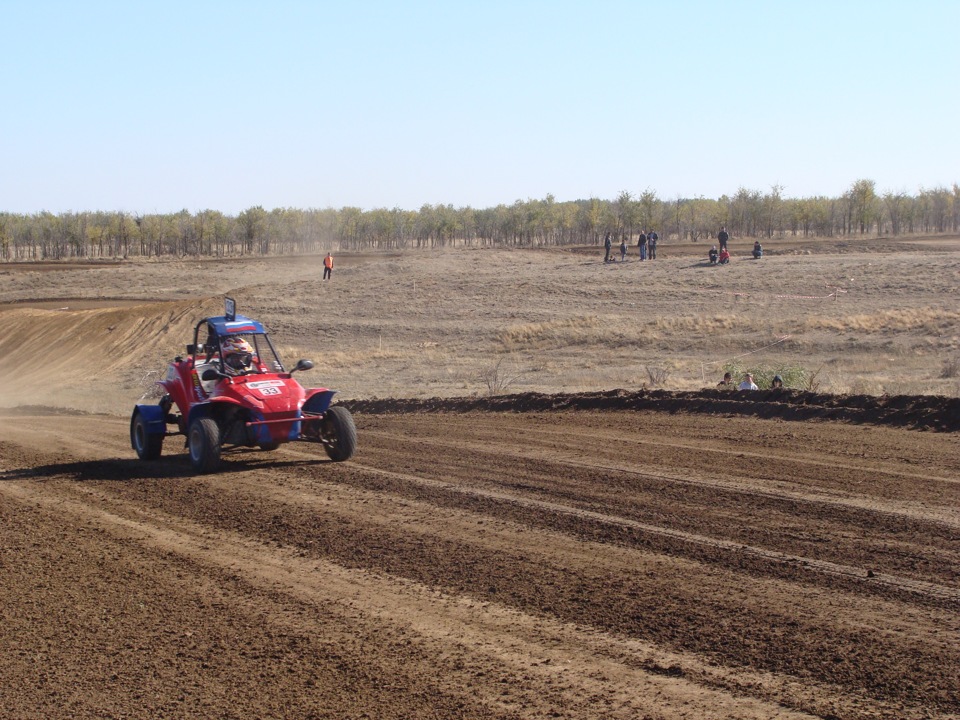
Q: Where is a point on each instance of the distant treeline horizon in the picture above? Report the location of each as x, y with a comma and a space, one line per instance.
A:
547, 222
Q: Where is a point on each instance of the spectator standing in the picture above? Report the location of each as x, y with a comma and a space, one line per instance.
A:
607, 244
642, 244
327, 266
748, 383
727, 382
623, 248
723, 238
652, 238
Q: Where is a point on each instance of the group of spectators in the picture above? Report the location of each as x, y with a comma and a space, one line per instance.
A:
728, 383
646, 246
722, 256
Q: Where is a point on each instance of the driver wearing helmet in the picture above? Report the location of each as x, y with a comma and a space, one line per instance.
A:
238, 355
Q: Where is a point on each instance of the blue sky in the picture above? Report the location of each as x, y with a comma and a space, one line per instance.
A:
158, 107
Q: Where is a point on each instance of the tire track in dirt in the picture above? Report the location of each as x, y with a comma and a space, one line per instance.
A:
879, 540
770, 489
382, 515
564, 667
614, 656
767, 455
932, 590
840, 569
129, 621
241, 502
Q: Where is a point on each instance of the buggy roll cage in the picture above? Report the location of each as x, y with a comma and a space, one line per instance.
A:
223, 326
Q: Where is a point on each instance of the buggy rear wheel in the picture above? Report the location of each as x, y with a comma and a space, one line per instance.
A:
203, 439
338, 434
147, 444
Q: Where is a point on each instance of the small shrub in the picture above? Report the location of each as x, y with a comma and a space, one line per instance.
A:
498, 378
813, 380
951, 368
658, 376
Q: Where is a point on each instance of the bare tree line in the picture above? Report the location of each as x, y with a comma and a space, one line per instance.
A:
255, 231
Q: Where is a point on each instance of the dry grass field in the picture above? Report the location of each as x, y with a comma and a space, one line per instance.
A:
574, 548
875, 317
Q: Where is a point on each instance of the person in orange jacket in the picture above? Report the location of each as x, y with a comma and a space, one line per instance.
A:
327, 266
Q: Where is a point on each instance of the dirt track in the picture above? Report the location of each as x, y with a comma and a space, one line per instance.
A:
582, 564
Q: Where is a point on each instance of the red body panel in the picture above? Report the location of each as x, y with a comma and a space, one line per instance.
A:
272, 401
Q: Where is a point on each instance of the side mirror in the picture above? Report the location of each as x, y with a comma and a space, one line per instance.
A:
212, 374
303, 365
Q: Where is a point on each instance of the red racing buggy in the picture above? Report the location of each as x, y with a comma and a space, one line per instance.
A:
231, 391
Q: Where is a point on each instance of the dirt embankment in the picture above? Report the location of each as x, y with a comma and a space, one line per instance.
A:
923, 412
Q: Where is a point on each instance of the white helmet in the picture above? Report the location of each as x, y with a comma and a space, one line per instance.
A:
237, 353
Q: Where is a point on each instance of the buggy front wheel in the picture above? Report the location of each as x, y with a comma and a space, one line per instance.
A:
338, 434
203, 440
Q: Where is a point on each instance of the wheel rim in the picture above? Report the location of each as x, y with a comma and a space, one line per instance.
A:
196, 453
329, 435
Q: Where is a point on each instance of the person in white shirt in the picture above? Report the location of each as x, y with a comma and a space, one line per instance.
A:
748, 383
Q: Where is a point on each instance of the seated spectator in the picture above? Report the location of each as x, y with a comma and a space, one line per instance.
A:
713, 255
727, 382
757, 250
724, 257
748, 383
777, 383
